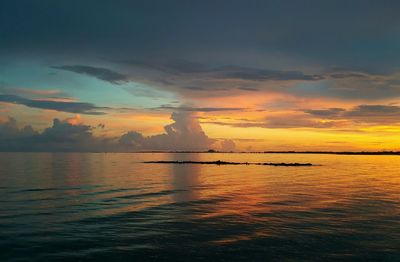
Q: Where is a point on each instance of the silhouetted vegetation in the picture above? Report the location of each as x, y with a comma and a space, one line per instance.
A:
219, 162
281, 152
336, 153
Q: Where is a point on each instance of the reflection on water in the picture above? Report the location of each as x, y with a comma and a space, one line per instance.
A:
186, 178
114, 207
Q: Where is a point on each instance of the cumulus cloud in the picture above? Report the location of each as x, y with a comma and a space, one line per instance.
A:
64, 136
228, 145
185, 134
97, 72
10, 130
61, 136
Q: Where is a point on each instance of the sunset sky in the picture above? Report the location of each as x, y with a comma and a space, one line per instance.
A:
193, 75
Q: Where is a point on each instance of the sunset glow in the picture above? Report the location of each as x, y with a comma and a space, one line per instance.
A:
331, 85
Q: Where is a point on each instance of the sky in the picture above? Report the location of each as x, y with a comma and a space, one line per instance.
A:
197, 75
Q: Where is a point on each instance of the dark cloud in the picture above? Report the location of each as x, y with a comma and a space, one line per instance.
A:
98, 72
194, 79
206, 88
375, 111
347, 87
330, 33
253, 74
199, 109
360, 110
248, 88
288, 121
298, 121
321, 49
331, 112
182, 68
195, 88
377, 114
31, 92
337, 118
70, 107
348, 75
206, 80
10, 130
175, 67
62, 136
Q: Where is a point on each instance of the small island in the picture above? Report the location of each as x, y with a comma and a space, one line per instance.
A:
219, 162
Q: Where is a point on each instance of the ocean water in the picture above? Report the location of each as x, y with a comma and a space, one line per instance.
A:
113, 207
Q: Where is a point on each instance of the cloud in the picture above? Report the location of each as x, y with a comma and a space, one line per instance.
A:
33, 92
184, 134
322, 34
97, 72
253, 74
248, 89
71, 135
63, 106
184, 68
227, 145
196, 80
331, 112
9, 130
286, 121
378, 114
62, 136
199, 109
75, 120
375, 114
175, 67
354, 85
375, 111
348, 75
132, 140
298, 121
332, 118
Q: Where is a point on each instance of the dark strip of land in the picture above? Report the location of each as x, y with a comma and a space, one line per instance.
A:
284, 152
219, 162
334, 152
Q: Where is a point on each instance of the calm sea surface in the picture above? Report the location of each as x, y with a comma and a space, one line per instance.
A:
112, 207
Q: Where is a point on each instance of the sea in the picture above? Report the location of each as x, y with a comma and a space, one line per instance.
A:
115, 207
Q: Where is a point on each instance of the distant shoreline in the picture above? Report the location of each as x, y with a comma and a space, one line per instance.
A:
377, 153
283, 152
219, 162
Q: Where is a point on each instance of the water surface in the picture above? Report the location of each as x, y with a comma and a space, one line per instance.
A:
85, 206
